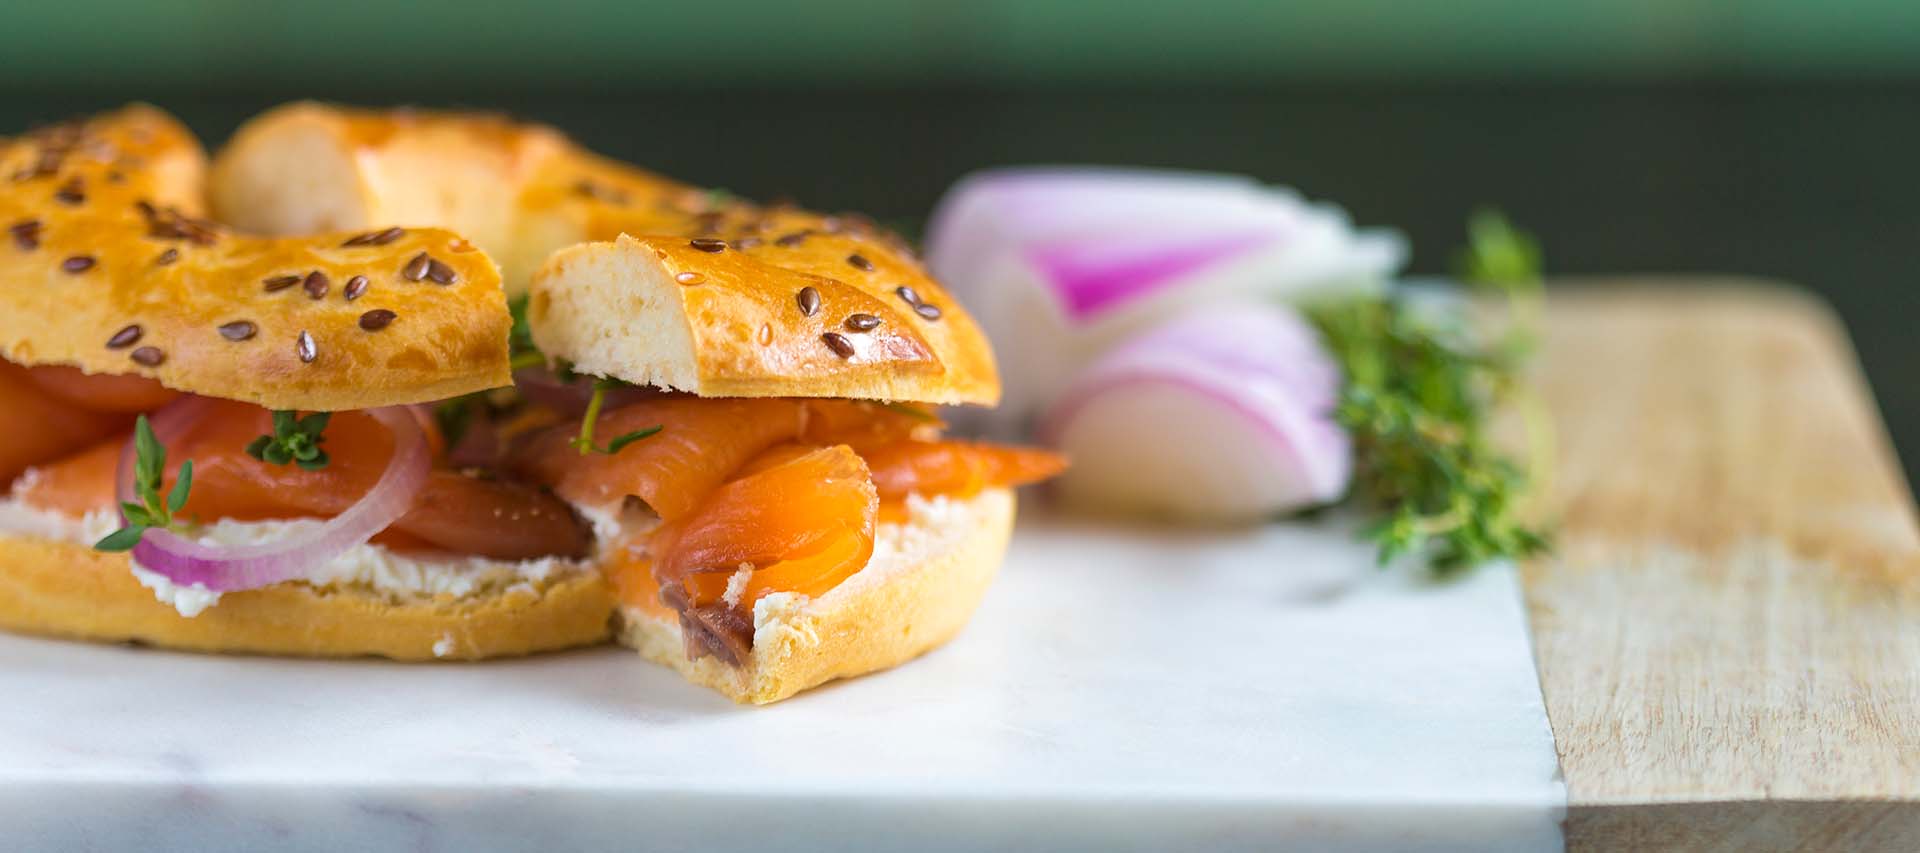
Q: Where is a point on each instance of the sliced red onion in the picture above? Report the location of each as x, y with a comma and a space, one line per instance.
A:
1061, 264
1222, 414
223, 568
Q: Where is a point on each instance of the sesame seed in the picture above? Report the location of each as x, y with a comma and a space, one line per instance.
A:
708, 245
790, 240
167, 258
860, 263
839, 344
77, 264
862, 322
238, 330
440, 273
305, 347
316, 285
355, 286
375, 238
927, 311
689, 278
416, 268
747, 242
279, 282
377, 319
148, 356
71, 193
26, 234
908, 294
809, 300
125, 337
765, 335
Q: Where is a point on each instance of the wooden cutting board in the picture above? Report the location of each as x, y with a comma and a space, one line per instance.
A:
1728, 636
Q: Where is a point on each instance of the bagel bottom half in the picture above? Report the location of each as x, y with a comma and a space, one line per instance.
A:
63, 589
925, 580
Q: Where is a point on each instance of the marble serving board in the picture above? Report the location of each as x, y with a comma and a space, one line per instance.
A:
1119, 690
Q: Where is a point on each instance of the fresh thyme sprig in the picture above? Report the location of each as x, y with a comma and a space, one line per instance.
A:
584, 441
294, 440
150, 465
520, 348
1418, 397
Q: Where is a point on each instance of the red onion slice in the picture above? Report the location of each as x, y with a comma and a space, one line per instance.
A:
1059, 265
225, 568
1221, 415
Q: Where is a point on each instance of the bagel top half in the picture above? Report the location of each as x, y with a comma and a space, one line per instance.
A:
631, 275
106, 264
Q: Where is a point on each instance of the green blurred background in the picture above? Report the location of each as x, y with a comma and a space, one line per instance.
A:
1768, 138
457, 46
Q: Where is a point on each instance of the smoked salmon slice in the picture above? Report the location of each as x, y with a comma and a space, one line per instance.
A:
454, 512
801, 525
958, 468
36, 426
700, 444
102, 392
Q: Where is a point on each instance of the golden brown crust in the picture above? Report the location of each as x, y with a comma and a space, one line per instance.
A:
866, 625
68, 590
104, 234
750, 338
305, 167
658, 311
519, 191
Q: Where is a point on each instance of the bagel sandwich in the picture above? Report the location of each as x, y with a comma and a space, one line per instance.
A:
719, 445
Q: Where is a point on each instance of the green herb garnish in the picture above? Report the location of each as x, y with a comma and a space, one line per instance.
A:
1417, 398
294, 440
520, 348
584, 441
150, 465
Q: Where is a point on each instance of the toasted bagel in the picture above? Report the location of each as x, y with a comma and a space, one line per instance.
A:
108, 267
66, 589
722, 286
923, 584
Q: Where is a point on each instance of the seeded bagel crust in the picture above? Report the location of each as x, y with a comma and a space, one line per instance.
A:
107, 266
68, 590
884, 615
719, 279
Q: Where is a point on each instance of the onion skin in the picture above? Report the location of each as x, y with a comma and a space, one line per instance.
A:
1219, 415
229, 568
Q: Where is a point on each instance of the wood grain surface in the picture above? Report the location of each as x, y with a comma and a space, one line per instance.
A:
1729, 633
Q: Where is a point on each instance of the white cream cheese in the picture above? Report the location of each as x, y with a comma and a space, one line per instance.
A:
189, 599
934, 525
366, 566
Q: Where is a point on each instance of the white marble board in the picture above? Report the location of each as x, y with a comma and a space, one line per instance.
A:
1118, 691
